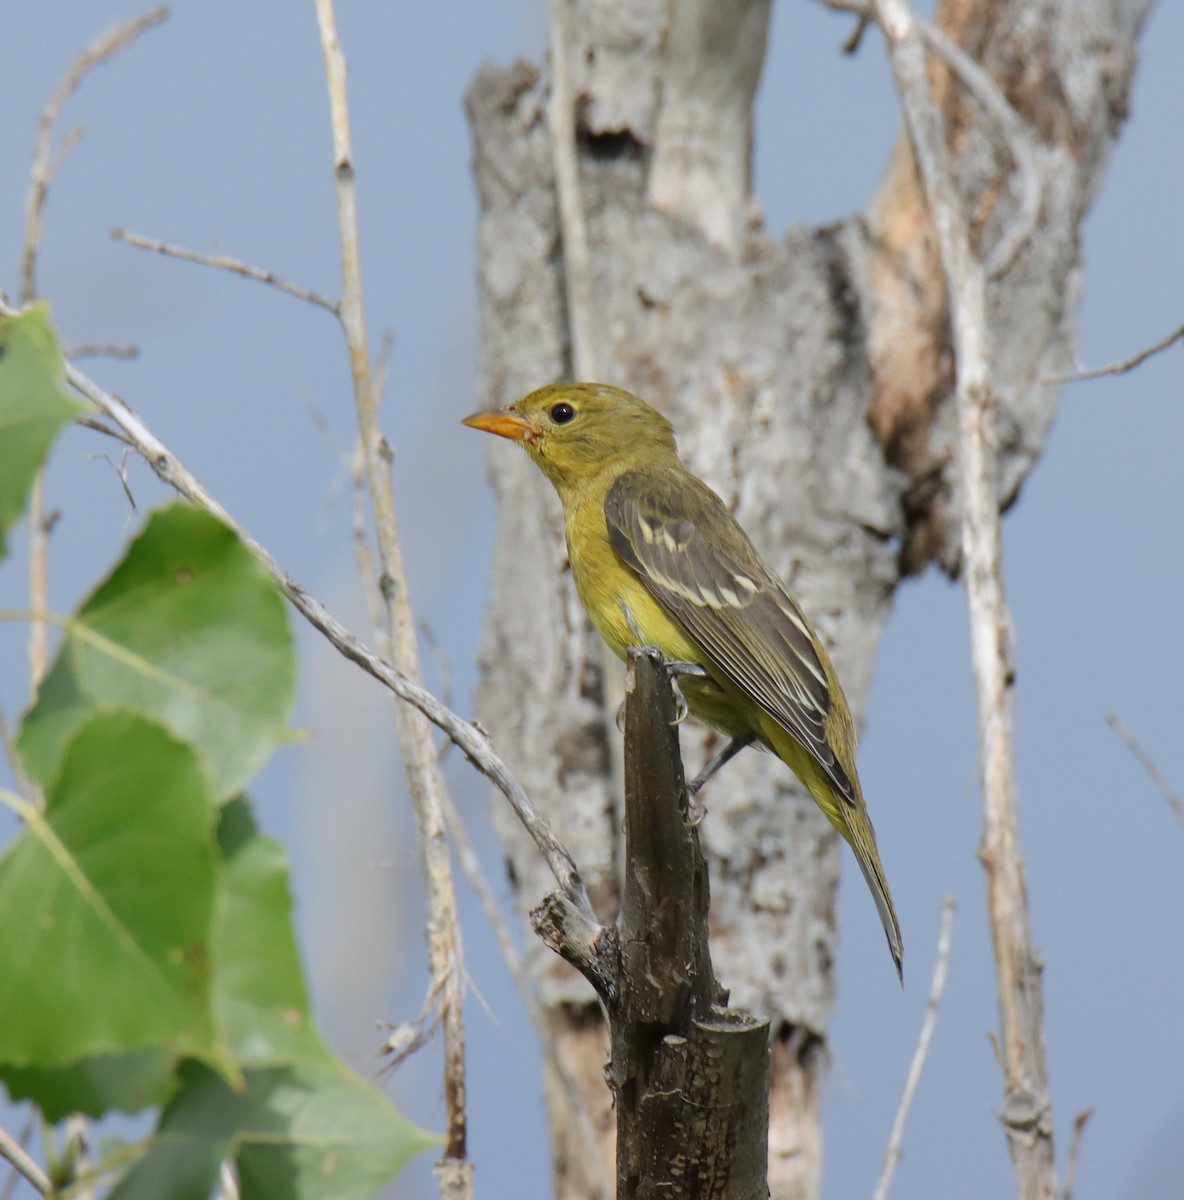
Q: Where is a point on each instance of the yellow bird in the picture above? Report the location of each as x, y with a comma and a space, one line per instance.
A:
658, 560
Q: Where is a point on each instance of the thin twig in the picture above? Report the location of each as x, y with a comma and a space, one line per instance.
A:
410, 1036
103, 428
1027, 1108
1148, 765
224, 262
470, 739
424, 777
892, 1153
45, 162
577, 262
855, 37
1121, 368
1079, 1124
12, 1151
101, 350
120, 469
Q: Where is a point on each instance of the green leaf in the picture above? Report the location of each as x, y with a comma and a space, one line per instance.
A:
189, 629
194, 1136
106, 901
320, 1133
34, 405
259, 991
94, 1086
308, 1133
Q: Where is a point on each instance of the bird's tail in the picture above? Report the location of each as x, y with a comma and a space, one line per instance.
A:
873, 872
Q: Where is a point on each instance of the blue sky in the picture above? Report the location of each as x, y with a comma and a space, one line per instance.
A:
213, 133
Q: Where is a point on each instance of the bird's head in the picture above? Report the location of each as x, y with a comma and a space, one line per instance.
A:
576, 430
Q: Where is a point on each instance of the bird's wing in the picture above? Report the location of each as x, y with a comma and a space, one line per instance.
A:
736, 610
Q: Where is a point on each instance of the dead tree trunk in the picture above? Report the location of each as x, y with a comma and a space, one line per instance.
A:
809, 378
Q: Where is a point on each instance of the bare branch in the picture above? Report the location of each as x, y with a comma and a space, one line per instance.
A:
1121, 368
12, 1151
409, 1037
941, 965
1079, 1124
424, 776
225, 262
577, 269
1027, 1109
46, 162
120, 469
101, 350
1148, 764
103, 428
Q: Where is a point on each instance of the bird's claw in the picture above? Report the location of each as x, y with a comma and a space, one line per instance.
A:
675, 669
620, 718
681, 708
696, 811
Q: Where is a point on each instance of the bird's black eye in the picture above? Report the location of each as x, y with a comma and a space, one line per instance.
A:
562, 412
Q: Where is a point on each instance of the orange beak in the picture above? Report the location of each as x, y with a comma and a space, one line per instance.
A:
505, 424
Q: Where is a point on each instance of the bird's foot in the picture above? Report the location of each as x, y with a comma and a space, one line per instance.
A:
691, 670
